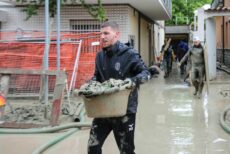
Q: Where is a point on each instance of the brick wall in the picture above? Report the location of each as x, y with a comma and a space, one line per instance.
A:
227, 58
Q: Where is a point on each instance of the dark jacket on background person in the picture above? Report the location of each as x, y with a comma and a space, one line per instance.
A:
181, 50
121, 62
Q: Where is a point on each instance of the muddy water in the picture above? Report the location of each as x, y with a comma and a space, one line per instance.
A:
173, 121
170, 120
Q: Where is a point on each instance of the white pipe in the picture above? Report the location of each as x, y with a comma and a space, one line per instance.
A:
74, 74
58, 34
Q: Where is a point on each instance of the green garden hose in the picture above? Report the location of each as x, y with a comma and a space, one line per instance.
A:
47, 145
43, 130
223, 124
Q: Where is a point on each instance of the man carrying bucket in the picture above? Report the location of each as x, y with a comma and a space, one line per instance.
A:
117, 61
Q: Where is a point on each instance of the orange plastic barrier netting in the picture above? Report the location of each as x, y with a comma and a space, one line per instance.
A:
2, 101
29, 55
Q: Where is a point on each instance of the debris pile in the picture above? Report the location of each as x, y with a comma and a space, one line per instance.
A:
225, 93
27, 114
94, 88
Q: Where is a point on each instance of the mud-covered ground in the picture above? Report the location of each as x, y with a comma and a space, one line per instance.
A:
170, 120
30, 111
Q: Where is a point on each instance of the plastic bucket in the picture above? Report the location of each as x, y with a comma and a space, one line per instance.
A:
107, 105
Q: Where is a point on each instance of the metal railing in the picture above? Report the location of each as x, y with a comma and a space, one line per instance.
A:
168, 5
25, 2
216, 3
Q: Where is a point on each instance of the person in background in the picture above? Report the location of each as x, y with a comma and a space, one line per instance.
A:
167, 53
196, 58
181, 50
118, 61
154, 70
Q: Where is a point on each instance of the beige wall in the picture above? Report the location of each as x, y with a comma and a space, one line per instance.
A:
133, 26
219, 29
219, 37
227, 3
144, 43
227, 32
219, 32
228, 36
227, 26
144, 34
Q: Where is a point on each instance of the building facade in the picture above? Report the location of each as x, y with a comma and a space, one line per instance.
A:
222, 31
141, 24
213, 29
138, 21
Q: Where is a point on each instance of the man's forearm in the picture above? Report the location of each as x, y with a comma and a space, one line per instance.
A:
142, 77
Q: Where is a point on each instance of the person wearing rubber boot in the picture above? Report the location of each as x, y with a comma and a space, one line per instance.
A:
167, 59
196, 58
118, 61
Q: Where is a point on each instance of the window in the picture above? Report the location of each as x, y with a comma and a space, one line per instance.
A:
131, 41
81, 26
85, 29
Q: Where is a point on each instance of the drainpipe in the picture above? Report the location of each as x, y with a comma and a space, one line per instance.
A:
139, 32
58, 34
223, 31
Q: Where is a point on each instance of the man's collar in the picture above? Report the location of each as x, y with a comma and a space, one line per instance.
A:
110, 51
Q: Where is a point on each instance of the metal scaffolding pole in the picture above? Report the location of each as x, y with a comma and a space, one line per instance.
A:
58, 33
45, 86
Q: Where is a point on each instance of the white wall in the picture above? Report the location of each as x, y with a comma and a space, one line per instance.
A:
16, 18
159, 33
211, 46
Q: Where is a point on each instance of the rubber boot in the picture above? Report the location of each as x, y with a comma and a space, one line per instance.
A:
200, 88
195, 84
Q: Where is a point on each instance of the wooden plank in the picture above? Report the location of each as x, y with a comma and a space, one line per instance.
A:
42, 91
167, 44
206, 68
58, 98
4, 88
31, 72
165, 48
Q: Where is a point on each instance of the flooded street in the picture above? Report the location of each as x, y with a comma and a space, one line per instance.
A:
170, 120
173, 121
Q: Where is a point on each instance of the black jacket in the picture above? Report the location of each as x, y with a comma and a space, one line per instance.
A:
121, 62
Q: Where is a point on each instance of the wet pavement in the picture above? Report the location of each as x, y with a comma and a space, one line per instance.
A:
170, 120
173, 121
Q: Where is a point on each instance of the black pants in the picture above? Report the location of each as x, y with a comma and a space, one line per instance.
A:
123, 129
167, 66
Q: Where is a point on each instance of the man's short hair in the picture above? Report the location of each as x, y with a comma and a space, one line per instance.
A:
111, 24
